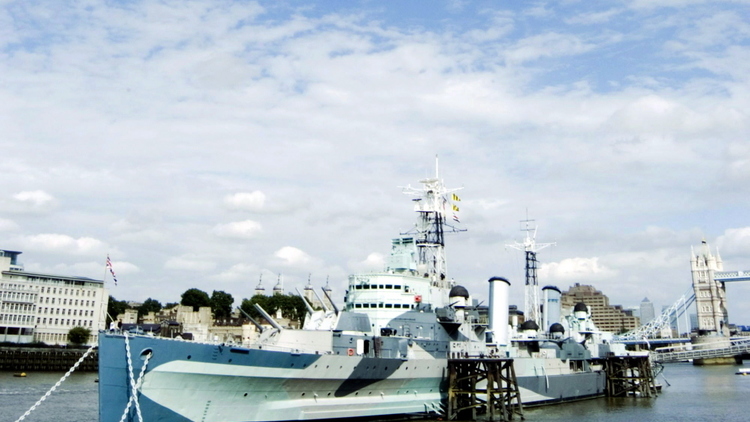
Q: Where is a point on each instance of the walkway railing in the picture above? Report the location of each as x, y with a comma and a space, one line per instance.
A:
683, 353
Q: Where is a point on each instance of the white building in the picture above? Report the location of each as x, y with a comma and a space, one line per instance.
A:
43, 307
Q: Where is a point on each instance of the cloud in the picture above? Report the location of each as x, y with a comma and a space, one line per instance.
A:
239, 272
593, 18
247, 229
735, 241
576, 270
61, 243
37, 201
374, 262
246, 201
8, 225
36, 198
546, 45
292, 257
189, 262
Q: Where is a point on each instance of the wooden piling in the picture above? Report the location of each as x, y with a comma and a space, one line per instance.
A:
485, 388
630, 376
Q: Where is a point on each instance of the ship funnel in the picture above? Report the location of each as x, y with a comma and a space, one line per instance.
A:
551, 306
498, 314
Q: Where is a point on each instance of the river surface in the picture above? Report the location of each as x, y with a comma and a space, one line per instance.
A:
689, 393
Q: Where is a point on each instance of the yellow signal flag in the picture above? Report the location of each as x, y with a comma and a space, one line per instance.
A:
455, 208
455, 197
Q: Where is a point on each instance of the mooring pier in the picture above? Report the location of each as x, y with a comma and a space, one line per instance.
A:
630, 375
483, 388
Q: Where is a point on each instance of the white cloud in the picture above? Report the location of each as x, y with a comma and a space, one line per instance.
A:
735, 241
575, 270
374, 262
189, 262
7, 225
593, 18
293, 257
37, 201
36, 198
61, 243
239, 272
247, 229
247, 201
546, 45
597, 120
96, 270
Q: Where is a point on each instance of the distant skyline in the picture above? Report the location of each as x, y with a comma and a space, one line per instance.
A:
204, 143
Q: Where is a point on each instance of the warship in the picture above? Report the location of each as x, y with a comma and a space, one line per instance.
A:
384, 353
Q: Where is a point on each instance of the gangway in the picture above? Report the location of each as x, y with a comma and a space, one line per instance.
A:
737, 347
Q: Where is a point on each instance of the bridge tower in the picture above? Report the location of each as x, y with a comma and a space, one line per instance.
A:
710, 293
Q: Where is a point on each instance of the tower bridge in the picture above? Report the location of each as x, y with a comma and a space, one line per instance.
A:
708, 293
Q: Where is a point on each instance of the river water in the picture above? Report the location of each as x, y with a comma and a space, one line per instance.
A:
689, 393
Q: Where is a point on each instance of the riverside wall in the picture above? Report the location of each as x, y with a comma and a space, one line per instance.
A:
46, 359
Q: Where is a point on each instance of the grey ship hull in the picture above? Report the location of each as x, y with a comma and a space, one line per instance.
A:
187, 381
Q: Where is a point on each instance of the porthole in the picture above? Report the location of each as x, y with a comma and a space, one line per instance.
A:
148, 353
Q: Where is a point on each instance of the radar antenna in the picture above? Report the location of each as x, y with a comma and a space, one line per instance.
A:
531, 290
432, 204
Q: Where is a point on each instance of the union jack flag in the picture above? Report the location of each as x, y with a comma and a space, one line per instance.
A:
109, 265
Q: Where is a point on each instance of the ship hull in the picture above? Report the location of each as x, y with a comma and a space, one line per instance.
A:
187, 381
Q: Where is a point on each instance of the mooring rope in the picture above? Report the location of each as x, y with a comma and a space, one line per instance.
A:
134, 384
54, 387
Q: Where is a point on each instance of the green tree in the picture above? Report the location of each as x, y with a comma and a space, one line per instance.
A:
79, 335
149, 305
221, 304
195, 298
292, 307
247, 305
115, 307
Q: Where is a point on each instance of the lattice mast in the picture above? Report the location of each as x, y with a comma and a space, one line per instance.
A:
531, 290
433, 204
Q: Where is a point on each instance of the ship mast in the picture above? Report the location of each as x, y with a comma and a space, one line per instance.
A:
432, 205
531, 290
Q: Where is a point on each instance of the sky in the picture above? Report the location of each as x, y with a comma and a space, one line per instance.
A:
212, 144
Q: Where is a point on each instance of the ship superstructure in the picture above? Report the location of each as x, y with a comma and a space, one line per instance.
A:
385, 353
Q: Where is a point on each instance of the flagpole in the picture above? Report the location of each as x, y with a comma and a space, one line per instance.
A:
104, 279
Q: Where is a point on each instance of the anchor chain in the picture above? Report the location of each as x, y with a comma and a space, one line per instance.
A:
54, 387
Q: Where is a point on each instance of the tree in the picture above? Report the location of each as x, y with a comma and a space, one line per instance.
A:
195, 298
247, 305
150, 305
221, 304
115, 307
79, 335
292, 307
